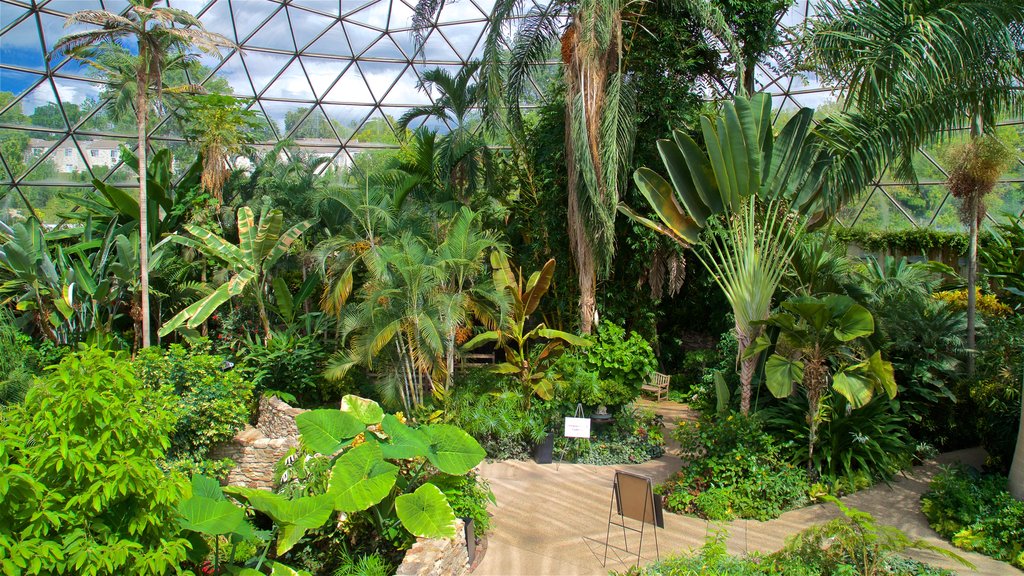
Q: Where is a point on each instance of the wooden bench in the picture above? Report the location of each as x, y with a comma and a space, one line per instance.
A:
476, 359
657, 386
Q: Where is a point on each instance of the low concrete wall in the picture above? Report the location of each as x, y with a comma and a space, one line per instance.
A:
437, 557
256, 450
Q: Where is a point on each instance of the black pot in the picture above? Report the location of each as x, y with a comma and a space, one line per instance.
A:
545, 451
470, 539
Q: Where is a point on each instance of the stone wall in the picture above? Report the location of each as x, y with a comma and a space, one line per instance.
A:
256, 450
437, 557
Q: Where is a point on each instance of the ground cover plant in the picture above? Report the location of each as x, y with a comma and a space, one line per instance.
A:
734, 469
976, 512
633, 437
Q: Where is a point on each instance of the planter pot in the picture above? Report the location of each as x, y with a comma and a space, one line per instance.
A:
470, 539
545, 451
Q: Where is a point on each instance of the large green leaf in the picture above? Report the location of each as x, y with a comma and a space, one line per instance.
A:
278, 569
481, 339
206, 487
426, 513
683, 181
361, 478
781, 374
209, 516
661, 198
301, 515
327, 431
366, 411
856, 388
269, 503
284, 242
883, 374
405, 442
570, 339
855, 322
451, 449
811, 310
538, 286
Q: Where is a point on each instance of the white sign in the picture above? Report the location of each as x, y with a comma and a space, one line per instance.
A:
577, 427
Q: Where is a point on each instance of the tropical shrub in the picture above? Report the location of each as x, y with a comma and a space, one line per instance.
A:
212, 400
16, 366
633, 437
976, 513
290, 366
469, 495
735, 469
489, 407
83, 493
622, 362
988, 305
691, 372
996, 388
855, 448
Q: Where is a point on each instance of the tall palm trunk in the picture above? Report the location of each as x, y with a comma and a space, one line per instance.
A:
141, 114
972, 281
748, 367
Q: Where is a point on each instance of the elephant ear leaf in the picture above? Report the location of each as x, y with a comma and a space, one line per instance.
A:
210, 517
327, 431
782, 374
451, 449
300, 516
405, 442
278, 569
426, 513
361, 478
366, 411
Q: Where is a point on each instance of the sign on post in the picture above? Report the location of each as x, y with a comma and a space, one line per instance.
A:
577, 427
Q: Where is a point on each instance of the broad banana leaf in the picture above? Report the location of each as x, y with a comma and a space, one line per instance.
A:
538, 286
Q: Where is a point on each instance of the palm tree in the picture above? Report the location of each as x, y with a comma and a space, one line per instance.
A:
599, 104
912, 71
161, 34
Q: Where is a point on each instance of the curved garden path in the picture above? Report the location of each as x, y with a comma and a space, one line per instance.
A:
552, 521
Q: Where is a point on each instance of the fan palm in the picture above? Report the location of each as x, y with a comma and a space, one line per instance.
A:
599, 103
911, 71
161, 34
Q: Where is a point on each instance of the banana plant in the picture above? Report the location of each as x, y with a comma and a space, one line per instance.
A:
519, 342
248, 263
821, 345
747, 180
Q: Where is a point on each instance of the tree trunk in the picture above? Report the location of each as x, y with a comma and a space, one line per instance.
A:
583, 257
748, 367
972, 280
1016, 481
141, 113
263, 313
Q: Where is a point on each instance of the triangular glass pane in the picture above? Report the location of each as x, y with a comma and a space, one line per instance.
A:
54, 30
13, 83
322, 72
464, 38
24, 113
116, 6
264, 131
123, 175
307, 26
313, 150
20, 46
360, 38
920, 202
881, 214
9, 13
233, 71
376, 132
460, 11
217, 19
101, 154
320, 6
291, 84
109, 119
381, 76
63, 163
285, 115
249, 15
190, 6
166, 128
401, 17
263, 67
405, 92
436, 49
350, 88
948, 217
1005, 201
334, 42
373, 15
78, 92
345, 119
384, 49
317, 130
275, 34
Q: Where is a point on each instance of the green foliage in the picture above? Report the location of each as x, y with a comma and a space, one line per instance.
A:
854, 447
623, 364
288, 363
1002, 260
691, 371
910, 241
744, 469
995, 390
489, 408
18, 362
366, 565
212, 403
976, 513
633, 438
83, 493
469, 496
